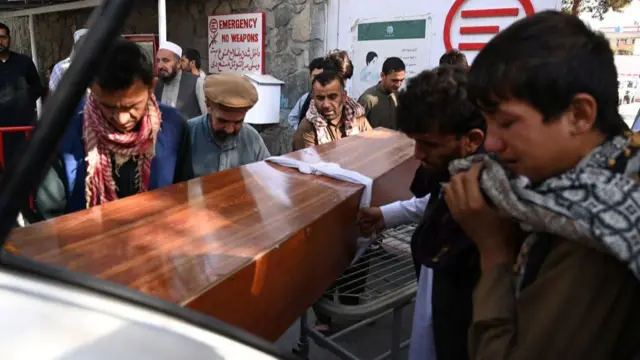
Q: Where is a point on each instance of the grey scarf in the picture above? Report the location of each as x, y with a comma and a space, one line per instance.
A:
597, 203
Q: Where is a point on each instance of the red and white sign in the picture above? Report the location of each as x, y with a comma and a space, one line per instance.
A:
468, 27
236, 43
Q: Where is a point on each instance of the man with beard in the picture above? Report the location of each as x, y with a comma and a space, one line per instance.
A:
124, 143
177, 88
333, 116
20, 88
220, 140
434, 111
379, 101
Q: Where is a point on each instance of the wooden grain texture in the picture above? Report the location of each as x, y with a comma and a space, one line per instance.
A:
253, 246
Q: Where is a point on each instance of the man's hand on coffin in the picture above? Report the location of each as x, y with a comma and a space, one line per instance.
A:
370, 220
495, 236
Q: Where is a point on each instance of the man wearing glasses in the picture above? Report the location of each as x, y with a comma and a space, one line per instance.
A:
123, 143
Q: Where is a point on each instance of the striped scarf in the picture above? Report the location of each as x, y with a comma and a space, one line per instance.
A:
103, 144
350, 112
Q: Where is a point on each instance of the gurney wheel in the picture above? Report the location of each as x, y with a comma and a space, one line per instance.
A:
300, 353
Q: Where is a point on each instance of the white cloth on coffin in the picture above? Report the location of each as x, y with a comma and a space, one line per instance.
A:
334, 171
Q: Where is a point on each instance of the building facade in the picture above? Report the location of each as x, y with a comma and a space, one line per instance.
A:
624, 40
295, 33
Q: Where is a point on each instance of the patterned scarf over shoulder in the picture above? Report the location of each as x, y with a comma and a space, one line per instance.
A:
597, 203
350, 112
103, 144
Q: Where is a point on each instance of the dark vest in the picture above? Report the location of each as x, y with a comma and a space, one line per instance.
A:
187, 102
455, 271
163, 165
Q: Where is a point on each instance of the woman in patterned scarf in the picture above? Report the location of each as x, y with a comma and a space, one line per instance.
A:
555, 210
123, 143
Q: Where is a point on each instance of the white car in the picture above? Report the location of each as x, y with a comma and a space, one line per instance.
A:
53, 314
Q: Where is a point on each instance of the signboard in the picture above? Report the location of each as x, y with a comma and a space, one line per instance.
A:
473, 26
375, 40
236, 43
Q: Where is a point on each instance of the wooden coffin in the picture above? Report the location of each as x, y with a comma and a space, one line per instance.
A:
253, 246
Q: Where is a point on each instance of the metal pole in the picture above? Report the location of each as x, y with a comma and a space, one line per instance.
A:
34, 55
396, 329
40, 150
162, 20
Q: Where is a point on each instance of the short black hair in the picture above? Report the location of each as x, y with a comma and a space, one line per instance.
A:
125, 62
316, 64
342, 62
454, 57
552, 57
435, 101
6, 28
328, 76
370, 56
393, 64
330, 64
193, 55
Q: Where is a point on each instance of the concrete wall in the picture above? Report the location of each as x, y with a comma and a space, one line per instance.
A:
19, 34
295, 34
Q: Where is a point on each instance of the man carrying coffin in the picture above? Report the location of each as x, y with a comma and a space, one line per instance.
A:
123, 143
220, 140
334, 116
446, 258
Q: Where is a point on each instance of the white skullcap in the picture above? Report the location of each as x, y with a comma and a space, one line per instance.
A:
78, 34
167, 45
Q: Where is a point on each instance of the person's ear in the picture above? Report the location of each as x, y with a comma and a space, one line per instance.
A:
582, 114
472, 141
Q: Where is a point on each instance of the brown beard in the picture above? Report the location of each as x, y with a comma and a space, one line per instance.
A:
222, 136
171, 75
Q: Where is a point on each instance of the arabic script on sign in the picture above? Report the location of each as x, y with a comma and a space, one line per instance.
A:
235, 59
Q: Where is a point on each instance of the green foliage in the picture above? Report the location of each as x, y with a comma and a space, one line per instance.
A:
596, 7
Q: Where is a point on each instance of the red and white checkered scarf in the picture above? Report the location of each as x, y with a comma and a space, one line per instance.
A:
350, 112
102, 143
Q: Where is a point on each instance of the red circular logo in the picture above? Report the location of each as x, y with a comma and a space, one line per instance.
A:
213, 25
526, 5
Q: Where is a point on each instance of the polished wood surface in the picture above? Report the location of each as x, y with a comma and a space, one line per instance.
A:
253, 246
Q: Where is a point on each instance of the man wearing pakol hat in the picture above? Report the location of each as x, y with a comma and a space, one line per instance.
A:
219, 139
61, 67
175, 87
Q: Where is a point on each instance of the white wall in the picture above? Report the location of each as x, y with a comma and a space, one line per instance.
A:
344, 13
